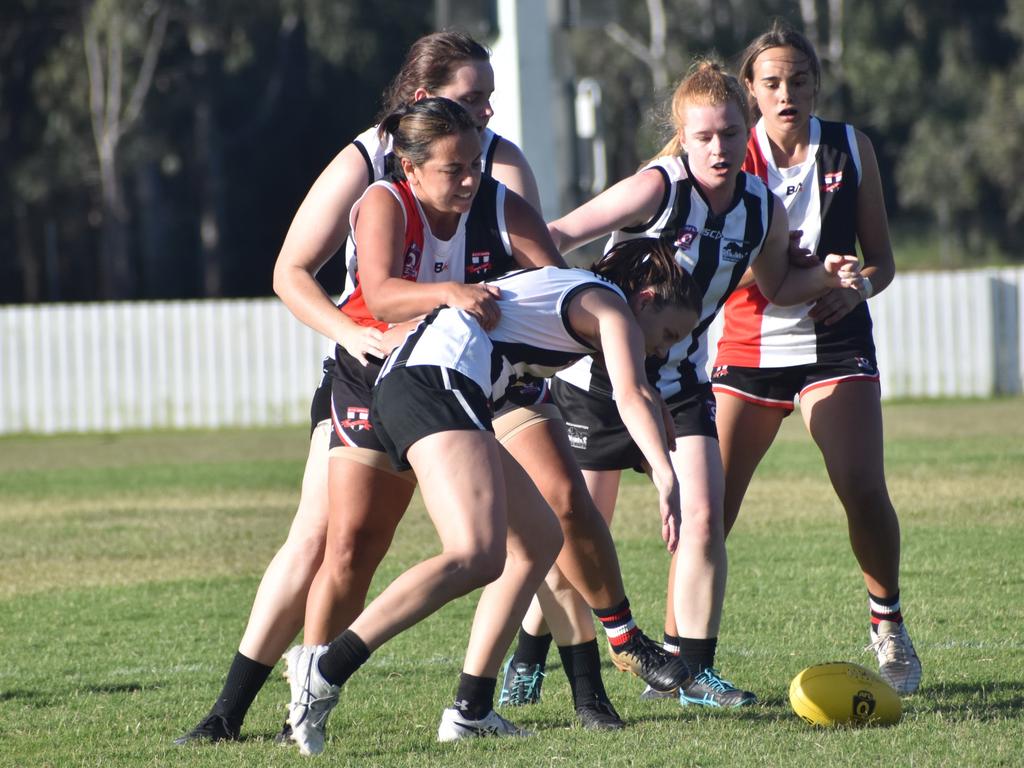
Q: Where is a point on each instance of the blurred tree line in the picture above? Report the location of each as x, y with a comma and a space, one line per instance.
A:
158, 148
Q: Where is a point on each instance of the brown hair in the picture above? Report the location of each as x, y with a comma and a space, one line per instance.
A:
649, 263
781, 35
431, 64
415, 127
707, 84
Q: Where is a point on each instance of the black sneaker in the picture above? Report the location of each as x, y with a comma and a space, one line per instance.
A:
211, 728
651, 663
284, 736
599, 715
709, 690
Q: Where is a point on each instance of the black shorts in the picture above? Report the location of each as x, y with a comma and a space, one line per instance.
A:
320, 406
421, 400
351, 394
524, 392
779, 387
600, 439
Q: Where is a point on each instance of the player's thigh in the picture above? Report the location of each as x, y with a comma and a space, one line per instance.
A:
533, 529
845, 420
603, 485
368, 497
542, 449
745, 433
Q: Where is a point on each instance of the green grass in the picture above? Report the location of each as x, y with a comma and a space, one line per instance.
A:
128, 564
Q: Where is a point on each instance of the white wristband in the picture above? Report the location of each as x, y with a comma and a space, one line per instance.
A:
866, 290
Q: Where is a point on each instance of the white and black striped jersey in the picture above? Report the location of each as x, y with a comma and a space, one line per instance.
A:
820, 195
533, 336
715, 249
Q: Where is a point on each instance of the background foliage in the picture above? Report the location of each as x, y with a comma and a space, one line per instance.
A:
124, 175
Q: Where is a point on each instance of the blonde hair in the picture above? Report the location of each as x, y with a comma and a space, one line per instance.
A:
706, 85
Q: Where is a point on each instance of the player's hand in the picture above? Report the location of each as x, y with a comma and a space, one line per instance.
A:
668, 508
798, 255
835, 305
360, 341
479, 300
396, 334
841, 270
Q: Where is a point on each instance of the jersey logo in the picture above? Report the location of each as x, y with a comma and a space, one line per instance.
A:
792, 189
479, 261
685, 237
440, 266
833, 181
735, 250
411, 268
356, 419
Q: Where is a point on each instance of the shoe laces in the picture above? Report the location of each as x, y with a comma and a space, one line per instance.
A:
649, 654
711, 679
526, 683
892, 646
316, 708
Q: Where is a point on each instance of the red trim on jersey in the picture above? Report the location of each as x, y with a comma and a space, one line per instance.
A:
741, 331
355, 306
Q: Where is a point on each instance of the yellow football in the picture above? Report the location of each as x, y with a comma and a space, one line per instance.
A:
839, 693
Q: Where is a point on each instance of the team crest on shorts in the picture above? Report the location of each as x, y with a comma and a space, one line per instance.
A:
864, 364
357, 419
578, 434
712, 407
719, 371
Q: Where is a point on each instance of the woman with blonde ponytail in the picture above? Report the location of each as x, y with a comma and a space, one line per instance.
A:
718, 221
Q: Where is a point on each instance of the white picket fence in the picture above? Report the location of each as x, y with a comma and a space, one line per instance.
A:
137, 365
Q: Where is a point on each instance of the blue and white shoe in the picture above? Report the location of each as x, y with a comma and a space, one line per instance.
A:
521, 684
313, 698
708, 689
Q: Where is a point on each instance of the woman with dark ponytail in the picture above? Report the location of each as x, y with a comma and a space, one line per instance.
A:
435, 397
449, 64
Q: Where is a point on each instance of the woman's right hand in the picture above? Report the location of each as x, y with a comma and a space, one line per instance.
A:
478, 299
360, 341
668, 508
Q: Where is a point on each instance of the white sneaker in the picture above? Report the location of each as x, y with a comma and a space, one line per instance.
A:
454, 726
898, 663
313, 698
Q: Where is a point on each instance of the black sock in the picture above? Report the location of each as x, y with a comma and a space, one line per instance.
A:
244, 680
699, 653
671, 644
346, 653
583, 668
531, 649
475, 696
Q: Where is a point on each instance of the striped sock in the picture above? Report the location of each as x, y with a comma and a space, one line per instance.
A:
618, 624
671, 644
884, 609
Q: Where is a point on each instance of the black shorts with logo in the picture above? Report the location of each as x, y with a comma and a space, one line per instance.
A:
779, 387
599, 437
413, 402
351, 394
320, 405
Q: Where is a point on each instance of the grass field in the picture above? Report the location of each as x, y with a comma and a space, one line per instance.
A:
128, 563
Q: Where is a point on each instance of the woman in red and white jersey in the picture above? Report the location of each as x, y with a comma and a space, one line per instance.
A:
827, 176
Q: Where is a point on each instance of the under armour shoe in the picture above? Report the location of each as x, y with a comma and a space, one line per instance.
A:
709, 690
520, 684
649, 694
211, 728
313, 698
898, 663
651, 663
454, 726
598, 714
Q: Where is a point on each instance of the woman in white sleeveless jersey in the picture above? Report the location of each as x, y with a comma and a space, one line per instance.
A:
827, 176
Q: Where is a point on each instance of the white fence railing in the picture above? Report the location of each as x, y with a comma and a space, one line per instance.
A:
108, 367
